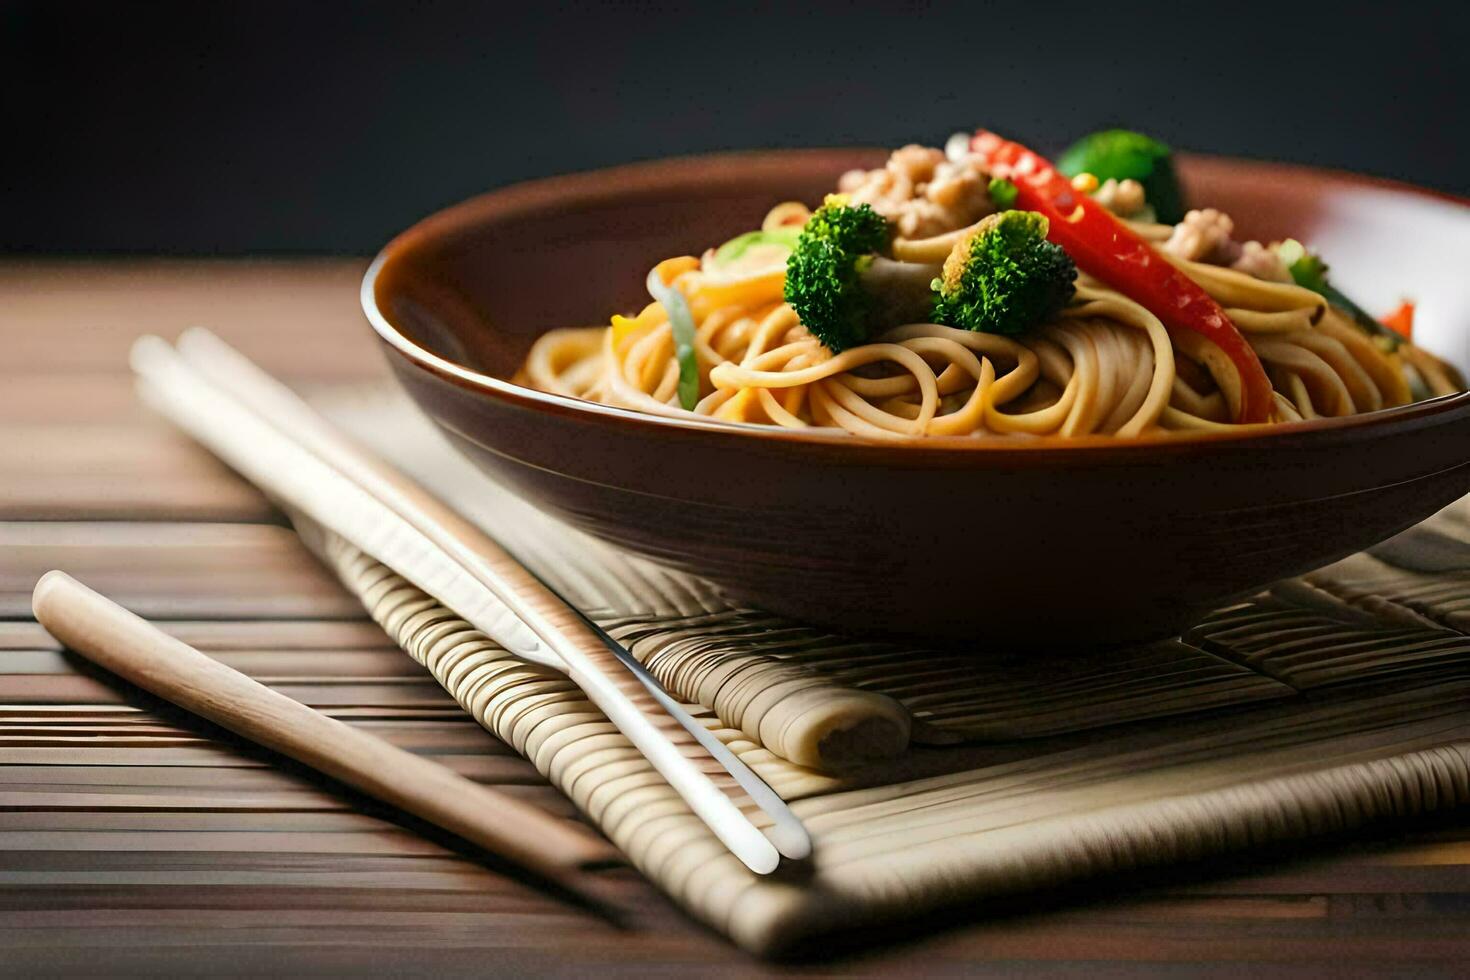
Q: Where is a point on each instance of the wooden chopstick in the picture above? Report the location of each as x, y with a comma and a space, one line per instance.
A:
140, 653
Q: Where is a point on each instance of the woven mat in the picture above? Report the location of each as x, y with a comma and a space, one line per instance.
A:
930, 778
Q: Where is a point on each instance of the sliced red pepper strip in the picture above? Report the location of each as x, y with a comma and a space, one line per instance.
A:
1401, 320
1104, 247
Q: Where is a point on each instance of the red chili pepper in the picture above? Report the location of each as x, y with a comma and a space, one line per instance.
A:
1401, 320
1104, 247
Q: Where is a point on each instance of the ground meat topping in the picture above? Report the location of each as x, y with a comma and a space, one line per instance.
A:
921, 192
1205, 236
1123, 198
1262, 262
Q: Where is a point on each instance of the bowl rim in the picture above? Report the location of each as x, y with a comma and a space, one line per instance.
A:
696, 171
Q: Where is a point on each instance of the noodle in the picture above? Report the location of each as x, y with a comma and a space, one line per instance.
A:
1104, 366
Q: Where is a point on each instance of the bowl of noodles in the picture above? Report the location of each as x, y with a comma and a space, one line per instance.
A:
961, 392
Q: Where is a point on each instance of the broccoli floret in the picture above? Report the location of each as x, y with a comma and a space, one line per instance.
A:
840, 285
1121, 154
1004, 277
1310, 272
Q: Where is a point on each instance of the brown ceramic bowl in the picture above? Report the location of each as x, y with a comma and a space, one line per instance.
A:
1091, 541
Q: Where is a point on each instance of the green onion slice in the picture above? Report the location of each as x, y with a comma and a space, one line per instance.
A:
682, 322
1002, 193
736, 247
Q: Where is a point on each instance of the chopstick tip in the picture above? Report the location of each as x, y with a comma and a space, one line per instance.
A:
46, 587
199, 339
146, 352
792, 840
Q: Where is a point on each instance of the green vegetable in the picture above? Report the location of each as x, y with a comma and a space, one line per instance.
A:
1005, 277
736, 247
1002, 193
681, 322
1121, 154
840, 285
1310, 272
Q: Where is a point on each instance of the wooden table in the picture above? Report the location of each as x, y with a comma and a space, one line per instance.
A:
133, 838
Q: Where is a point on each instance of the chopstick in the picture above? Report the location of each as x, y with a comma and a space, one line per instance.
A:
140, 653
240, 378
275, 440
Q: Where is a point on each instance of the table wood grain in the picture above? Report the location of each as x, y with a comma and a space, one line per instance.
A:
136, 839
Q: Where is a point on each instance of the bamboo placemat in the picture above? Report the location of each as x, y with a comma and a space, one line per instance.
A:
1323, 705
810, 697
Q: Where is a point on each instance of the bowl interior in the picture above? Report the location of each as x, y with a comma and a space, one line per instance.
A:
570, 251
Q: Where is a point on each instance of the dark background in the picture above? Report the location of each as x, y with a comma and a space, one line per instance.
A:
324, 127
